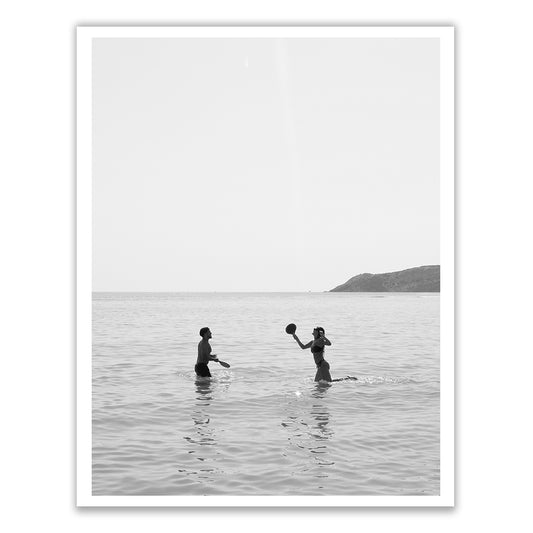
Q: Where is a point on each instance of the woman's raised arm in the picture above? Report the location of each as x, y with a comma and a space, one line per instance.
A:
302, 346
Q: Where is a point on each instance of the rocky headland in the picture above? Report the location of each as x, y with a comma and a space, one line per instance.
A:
418, 279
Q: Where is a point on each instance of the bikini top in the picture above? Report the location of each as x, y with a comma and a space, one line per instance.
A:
317, 349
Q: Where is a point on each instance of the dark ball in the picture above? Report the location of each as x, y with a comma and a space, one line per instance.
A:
290, 329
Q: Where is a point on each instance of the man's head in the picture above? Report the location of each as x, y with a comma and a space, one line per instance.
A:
205, 333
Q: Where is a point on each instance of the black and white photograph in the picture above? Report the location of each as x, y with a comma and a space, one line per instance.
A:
265, 266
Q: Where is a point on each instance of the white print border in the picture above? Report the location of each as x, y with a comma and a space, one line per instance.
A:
85, 35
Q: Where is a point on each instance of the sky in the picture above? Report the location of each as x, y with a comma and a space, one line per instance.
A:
262, 164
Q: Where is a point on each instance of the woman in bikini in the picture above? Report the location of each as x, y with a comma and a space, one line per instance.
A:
317, 349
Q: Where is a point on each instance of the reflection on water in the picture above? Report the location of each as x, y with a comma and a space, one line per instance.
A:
321, 431
309, 433
200, 414
202, 436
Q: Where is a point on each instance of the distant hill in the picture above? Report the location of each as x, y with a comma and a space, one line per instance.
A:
418, 279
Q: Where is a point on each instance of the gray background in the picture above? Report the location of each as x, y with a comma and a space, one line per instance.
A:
493, 214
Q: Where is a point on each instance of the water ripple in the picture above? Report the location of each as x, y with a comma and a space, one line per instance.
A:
263, 426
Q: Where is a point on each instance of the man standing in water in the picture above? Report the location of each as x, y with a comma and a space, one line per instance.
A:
204, 354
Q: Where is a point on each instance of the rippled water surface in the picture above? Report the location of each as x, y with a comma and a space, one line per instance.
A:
263, 427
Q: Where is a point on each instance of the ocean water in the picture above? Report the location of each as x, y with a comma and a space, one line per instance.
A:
263, 426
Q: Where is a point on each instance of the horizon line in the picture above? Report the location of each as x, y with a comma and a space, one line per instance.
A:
215, 291
264, 292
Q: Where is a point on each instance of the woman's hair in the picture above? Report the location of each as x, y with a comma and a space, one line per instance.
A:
203, 331
320, 330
